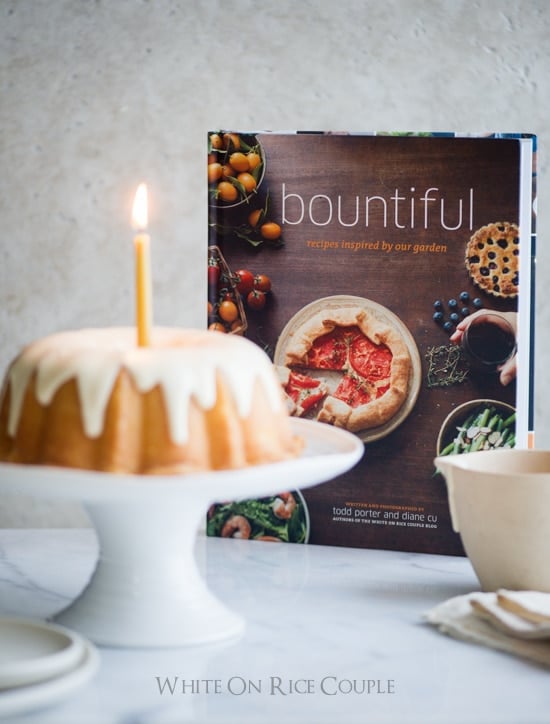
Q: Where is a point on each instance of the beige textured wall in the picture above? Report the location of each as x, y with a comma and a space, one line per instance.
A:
98, 95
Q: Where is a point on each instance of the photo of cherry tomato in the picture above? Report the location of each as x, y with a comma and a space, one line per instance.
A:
216, 327
270, 230
256, 300
255, 216
245, 281
214, 172
262, 283
228, 311
213, 273
237, 327
227, 192
254, 159
239, 161
247, 181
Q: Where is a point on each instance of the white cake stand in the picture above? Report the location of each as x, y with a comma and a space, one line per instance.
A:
146, 589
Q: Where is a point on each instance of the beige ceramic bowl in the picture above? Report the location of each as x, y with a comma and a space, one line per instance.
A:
500, 505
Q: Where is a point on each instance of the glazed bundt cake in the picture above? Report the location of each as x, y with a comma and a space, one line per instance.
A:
193, 400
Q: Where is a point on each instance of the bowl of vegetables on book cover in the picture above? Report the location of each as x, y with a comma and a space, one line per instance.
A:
278, 518
477, 425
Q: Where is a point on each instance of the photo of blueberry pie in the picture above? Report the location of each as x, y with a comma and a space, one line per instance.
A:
492, 259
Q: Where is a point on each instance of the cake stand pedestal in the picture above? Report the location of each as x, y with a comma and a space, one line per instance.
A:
146, 590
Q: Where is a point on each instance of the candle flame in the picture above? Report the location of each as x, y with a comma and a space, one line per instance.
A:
139, 209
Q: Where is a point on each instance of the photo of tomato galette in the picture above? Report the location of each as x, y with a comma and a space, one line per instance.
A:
348, 364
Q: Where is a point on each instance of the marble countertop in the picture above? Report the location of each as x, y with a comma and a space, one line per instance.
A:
323, 626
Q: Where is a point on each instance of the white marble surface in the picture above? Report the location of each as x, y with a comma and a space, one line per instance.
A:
315, 616
98, 96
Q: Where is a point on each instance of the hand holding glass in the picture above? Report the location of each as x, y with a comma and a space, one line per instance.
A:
488, 341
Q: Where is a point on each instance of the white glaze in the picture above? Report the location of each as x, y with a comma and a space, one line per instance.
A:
185, 363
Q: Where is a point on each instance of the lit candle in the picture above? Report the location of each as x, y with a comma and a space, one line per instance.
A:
143, 267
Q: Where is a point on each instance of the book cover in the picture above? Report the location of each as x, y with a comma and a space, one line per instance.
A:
357, 261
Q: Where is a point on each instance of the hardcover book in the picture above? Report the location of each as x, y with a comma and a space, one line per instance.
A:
390, 277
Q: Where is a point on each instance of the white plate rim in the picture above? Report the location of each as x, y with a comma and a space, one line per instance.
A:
45, 693
22, 672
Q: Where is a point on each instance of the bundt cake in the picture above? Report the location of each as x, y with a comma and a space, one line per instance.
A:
193, 400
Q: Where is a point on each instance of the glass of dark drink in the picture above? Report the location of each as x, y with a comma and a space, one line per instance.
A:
488, 341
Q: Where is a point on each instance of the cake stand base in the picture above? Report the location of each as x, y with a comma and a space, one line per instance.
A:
146, 589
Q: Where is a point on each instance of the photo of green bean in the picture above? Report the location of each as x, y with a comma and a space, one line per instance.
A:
481, 425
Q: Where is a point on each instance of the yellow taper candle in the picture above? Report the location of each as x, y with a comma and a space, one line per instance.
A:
144, 312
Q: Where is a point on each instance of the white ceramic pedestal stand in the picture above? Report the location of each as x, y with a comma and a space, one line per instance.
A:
146, 589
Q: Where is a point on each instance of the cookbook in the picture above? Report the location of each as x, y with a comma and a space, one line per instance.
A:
390, 278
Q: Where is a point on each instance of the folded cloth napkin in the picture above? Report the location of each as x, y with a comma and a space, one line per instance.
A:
517, 622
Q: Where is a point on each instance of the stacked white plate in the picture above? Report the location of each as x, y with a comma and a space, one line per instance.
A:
41, 663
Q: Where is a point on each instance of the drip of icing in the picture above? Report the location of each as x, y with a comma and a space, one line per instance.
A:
184, 363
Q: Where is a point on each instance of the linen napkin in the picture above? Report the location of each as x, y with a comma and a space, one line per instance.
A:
517, 622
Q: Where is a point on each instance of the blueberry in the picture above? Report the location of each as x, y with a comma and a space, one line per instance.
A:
465, 311
454, 317
438, 304
453, 304
464, 297
438, 316
448, 326
477, 303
